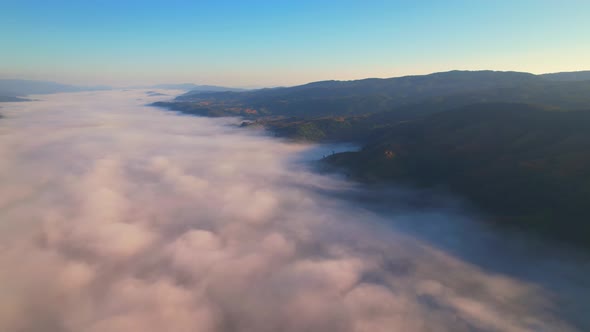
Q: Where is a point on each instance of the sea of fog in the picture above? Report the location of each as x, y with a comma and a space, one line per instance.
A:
117, 217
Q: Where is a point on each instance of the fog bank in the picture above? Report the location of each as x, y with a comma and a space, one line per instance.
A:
118, 217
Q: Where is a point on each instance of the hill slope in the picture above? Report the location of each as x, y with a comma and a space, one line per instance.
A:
525, 165
514, 144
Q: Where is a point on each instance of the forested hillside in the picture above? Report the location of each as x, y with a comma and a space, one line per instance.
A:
515, 144
525, 165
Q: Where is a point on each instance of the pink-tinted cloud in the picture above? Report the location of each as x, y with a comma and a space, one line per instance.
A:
117, 217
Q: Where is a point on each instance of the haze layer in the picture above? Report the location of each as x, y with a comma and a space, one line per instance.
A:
120, 217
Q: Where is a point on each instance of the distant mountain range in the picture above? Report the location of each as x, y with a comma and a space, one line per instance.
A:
11, 99
569, 76
409, 95
195, 87
515, 144
17, 87
12, 89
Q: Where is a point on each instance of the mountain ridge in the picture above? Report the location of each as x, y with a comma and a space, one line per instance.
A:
346, 98
516, 146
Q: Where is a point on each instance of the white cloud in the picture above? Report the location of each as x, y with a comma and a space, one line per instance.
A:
119, 217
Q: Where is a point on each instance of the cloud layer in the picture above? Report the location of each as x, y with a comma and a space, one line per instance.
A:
118, 217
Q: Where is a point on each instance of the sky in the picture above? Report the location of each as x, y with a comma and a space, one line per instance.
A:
272, 43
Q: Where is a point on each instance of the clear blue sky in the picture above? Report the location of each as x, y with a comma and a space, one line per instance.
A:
258, 43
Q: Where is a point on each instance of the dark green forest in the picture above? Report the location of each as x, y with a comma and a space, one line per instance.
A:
517, 145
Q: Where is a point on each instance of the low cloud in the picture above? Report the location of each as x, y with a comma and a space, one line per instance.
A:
118, 217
